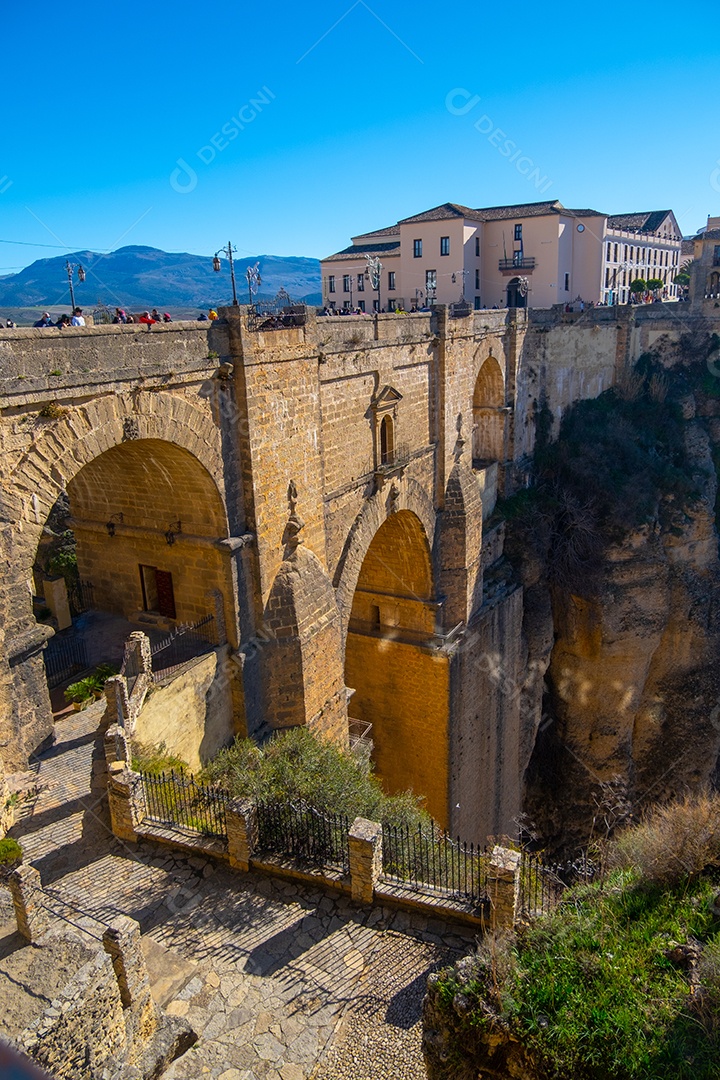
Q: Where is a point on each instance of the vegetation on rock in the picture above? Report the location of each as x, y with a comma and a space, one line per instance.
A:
621, 981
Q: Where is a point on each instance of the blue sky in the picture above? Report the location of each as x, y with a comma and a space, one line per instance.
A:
363, 113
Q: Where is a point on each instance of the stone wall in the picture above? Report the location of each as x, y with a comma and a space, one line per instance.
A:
192, 713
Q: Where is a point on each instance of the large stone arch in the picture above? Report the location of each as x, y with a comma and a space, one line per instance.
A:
59, 449
86, 431
406, 494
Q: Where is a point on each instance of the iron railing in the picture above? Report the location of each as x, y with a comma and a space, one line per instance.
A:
80, 596
460, 310
64, 657
321, 840
427, 859
517, 263
186, 642
177, 801
540, 886
268, 319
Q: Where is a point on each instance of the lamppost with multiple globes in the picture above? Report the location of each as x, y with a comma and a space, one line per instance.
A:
373, 273
254, 280
217, 264
71, 268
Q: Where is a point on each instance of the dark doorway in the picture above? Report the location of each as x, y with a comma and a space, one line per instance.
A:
157, 589
515, 295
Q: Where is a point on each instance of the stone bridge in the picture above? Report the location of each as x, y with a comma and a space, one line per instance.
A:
326, 490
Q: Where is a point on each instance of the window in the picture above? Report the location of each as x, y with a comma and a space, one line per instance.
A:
417, 249
361, 283
567, 283
387, 447
609, 253
430, 280
477, 279
346, 283
331, 283
444, 245
391, 280
477, 303
361, 305
518, 232
616, 254
477, 246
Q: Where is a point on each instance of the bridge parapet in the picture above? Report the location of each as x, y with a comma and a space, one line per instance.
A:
36, 363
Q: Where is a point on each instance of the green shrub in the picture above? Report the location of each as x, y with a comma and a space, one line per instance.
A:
298, 766
10, 852
82, 690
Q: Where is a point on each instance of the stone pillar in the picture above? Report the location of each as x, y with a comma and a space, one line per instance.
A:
365, 858
117, 707
56, 598
127, 805
116, 746
27, 893
242, 830
121, 942
503, 886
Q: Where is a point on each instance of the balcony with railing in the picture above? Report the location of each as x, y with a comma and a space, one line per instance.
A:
516, 264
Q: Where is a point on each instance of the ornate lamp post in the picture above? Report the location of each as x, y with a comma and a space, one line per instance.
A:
373, 273
216, 267
253, 279
71, 268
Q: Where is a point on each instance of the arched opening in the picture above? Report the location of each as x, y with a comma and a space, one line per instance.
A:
387, 441
516, 294
399, 678
489, 415
140, 542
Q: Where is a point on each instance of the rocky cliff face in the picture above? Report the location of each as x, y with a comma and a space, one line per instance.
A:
632, 689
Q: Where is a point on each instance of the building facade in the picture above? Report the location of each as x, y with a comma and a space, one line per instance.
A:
526, 255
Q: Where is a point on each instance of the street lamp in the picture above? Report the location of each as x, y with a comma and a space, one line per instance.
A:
217, 264
611, 290
253, 279
373, 274
454, 279
71, 268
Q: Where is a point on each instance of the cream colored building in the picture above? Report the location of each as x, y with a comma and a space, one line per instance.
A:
533, 254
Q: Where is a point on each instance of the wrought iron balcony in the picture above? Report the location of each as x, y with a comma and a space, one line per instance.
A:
516, 264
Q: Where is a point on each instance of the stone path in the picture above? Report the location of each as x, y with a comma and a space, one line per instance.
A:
281, 981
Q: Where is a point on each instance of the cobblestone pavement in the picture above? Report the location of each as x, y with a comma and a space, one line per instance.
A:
280, 981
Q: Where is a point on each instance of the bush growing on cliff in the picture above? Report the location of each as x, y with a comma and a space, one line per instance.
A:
298, 766
622, 981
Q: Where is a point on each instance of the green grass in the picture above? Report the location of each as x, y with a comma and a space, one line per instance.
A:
597, 989
155, 760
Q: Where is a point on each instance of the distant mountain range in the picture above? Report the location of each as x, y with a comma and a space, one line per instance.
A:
143, 277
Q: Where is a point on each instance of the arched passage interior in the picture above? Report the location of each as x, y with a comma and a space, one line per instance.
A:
400, 680
489, 414
146, 515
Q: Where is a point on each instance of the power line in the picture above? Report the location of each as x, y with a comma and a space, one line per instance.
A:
60, 247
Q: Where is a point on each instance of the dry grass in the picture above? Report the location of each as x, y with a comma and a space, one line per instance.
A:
672, 842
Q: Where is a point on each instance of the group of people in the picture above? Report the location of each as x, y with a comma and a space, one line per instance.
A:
147, 318
77, 319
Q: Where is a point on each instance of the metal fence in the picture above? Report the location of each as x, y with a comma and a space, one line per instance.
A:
320, 840
184, 643
177, 801
273, 317
427, 859
80, 596
540, 886
64, 657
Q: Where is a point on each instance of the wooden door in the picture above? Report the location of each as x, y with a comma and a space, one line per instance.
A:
165, 595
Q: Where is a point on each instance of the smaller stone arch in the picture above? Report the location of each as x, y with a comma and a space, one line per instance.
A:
489, 413
404, 494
